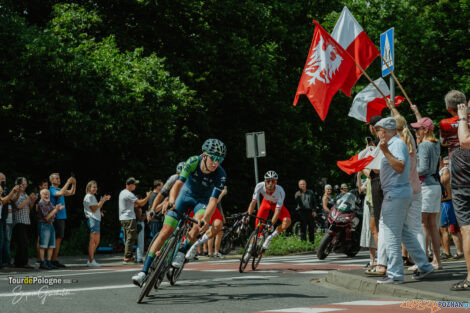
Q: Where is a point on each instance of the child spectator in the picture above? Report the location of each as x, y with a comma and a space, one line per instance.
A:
46, 214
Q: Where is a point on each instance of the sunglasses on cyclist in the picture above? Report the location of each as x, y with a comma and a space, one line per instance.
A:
215, 158
270, 181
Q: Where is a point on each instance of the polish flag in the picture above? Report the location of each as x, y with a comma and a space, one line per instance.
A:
326, 69
350, 35
369, 158
369, 101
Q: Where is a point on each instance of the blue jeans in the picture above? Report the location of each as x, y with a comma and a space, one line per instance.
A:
396, 231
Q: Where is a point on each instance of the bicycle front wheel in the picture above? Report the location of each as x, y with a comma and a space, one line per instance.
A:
258, 255
160, 266
247, 253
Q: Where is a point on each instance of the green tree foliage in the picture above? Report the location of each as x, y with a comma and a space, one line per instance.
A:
118, 87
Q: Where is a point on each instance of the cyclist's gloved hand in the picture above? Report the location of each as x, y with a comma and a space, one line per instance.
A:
167, 206
203, 226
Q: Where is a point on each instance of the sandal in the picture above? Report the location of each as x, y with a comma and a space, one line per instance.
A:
461, 285
375, 272
456, 257
445, 256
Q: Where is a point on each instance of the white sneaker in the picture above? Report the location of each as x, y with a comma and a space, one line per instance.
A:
248, 254
191, 253
93, 263
267, 243
413, 269
139, 278
178, 260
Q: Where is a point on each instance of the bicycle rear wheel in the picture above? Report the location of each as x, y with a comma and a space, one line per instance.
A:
247, 254
169, 247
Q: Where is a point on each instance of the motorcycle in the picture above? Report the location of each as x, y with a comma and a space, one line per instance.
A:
344, 232
235, 233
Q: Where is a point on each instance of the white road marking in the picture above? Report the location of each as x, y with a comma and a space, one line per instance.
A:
76, 273
369, 302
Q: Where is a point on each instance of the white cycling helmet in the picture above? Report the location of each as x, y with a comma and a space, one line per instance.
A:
270, 175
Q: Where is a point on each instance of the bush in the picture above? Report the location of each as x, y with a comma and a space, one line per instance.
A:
284, 244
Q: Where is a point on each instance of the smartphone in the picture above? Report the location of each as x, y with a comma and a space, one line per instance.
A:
19, 181
369, 141
72, 174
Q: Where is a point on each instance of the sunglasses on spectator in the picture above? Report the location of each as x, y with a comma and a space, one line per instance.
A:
215, 158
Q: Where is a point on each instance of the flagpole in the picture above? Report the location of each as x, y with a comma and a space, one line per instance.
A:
365, 74
396, 79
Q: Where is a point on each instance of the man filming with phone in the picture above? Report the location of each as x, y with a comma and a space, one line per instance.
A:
58, 197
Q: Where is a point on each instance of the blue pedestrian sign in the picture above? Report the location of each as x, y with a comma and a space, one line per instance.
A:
386, 50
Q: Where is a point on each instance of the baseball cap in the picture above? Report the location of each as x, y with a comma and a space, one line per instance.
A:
344, 186
374, 119
131, 181
387, 123
425, 122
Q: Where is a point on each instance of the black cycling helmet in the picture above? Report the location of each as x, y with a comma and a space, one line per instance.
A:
179, 167
271, 175
215, 147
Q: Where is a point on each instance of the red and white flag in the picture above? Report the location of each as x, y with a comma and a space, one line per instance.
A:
369, 158
350, 35
325, 71
369, 101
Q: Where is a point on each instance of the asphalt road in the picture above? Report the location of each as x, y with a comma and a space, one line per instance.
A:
282, 284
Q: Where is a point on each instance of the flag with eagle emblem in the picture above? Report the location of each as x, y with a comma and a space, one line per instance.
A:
325, 71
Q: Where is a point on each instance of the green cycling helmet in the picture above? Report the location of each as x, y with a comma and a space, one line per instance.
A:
214, 147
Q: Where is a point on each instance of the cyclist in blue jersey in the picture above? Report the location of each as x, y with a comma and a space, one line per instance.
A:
198, 186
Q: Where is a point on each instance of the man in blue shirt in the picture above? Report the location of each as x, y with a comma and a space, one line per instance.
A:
395, 179
58, 197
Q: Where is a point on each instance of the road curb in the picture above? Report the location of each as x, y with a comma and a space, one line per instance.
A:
370, 286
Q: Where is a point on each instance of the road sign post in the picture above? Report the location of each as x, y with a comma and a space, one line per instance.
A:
255, 148
387, 48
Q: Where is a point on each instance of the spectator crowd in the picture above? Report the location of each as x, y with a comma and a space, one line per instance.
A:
419, 196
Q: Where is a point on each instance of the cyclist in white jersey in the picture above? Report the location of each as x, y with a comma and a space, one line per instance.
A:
273, 200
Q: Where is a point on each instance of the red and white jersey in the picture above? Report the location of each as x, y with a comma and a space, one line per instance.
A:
449, 128
276, 197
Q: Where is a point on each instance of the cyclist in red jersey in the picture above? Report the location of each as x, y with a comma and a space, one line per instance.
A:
273, 200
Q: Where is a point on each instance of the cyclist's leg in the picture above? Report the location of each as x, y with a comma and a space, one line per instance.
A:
199, 211
284, 216
263, 212
216, 222
170, 222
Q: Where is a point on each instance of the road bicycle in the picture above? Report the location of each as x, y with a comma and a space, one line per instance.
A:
256, 239
162, 263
